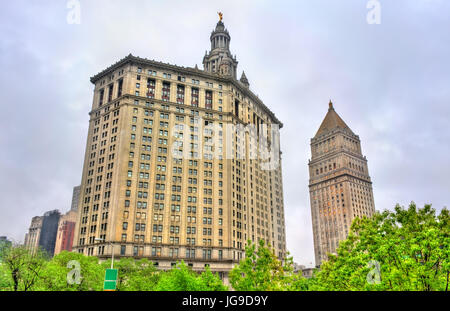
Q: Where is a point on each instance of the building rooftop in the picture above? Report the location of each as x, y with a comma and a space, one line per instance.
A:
332, 121
187, 70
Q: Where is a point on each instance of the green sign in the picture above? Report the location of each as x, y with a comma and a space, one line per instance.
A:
110, 279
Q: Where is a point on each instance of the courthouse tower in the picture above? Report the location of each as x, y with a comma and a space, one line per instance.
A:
339, 186
165, 175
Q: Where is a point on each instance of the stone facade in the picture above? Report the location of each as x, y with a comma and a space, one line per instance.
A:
340, 186
167, 177
66, 229
34, 233
75, 198
42, 232
219, 59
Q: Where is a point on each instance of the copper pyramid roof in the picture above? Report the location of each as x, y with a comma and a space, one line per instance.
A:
332, 121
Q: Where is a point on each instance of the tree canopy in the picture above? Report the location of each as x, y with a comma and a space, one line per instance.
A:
400, 250
182, 278
261, 270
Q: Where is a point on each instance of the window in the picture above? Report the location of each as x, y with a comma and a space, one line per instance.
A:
165, 91
156, 251
206, 254
110, 92
101, 95
208, 99
119, 87
151, 88
180, 94
194, 97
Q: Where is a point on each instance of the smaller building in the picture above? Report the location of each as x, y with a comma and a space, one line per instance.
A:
66, 227
42, 232
75, 198
49, 230
306, 272
54, 232
34, 233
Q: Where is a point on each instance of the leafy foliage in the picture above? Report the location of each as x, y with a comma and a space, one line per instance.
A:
23, 267
5, 278
261, 270
410, 245
211, 281
58, 270
135, 275
184, 279
4, 248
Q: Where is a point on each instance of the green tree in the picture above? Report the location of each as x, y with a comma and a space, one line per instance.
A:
5, 278
69, 271
134, 275
23, 266
211, 281
125, 269
145, 278
261, 270
4, 247
405, 249
181, 278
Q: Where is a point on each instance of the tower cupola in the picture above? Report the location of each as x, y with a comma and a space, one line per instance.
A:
219, 59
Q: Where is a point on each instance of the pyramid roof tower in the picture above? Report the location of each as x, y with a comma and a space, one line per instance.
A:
332, 121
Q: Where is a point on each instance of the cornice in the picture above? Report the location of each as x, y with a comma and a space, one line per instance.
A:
335, 153
314, 183
130, 59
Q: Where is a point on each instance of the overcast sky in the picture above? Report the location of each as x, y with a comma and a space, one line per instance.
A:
388, 81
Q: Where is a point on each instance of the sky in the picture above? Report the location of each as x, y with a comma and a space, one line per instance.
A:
388, 81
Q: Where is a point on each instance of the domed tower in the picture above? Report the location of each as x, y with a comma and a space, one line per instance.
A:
219, 59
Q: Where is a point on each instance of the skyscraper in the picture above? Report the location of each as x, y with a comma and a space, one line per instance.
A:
340, 187
34, 233
66, 225
180, 164
42, 232
75, 198
66, 230
49, 230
